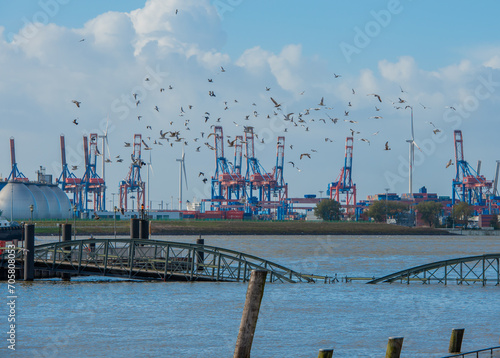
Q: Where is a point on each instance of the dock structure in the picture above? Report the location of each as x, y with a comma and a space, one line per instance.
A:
153, 260
481, 269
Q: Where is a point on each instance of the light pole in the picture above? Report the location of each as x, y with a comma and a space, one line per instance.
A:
321, 193
31, 211
132, 197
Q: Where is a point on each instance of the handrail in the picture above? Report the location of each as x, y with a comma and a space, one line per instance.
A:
491, 350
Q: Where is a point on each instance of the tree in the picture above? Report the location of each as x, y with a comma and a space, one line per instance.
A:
328, 209
381, 209
461, 212
429, 211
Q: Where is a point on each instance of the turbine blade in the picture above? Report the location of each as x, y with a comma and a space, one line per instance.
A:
416, 145
185, 176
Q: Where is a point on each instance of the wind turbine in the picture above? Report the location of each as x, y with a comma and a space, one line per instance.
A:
104, 144
182, 168
411, 158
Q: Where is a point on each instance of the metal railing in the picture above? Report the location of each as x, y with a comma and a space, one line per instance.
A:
486, 352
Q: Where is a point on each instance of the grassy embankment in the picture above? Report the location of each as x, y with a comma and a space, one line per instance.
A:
227, 227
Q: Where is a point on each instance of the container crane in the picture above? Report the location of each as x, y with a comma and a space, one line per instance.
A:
468, 186
133, 181
68, 180
344, 185
15, 174
92, 184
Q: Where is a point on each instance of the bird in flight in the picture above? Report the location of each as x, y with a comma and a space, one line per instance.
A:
375, 95
449, 163
76, 102
450, 107
365, 140
336, 76
305, 155
222, 69
127, 144
292, 163
157, 109
74, 167
387, 146
321, 102
276, 104
75, 121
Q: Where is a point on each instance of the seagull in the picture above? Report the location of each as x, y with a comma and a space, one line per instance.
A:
119, 160
353, 91
276, 104
376, 95
76, 102
449, 163
436, 131
402, 90
75, 121
305, 155
387, 146
321, 102
139, 117
450, 107
346, 113
222, 69
81, 40
201, 174
135, 95
336, 76
365, 140
137, 102
74, 167
292, 163
401, 100
377, 117
127, 144
423, 105
204, 180
268, 88
157, 109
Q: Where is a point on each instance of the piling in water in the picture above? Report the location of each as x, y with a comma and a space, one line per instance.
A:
29, 253
134, 228
394, 347
255, 292
325, 353
66, 236
457, 335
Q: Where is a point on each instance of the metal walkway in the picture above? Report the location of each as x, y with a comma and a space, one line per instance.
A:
154, 260
484, 269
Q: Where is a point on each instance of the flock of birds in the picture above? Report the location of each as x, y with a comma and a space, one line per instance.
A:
192, 127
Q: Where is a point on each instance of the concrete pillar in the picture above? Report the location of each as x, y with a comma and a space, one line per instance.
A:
457, 335
255, 292
29, 253
66, 236
134, 228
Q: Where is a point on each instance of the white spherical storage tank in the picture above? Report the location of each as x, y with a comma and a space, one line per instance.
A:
53, 201
15, 201
41, 204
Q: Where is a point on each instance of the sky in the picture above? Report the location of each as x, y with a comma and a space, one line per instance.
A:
440, 58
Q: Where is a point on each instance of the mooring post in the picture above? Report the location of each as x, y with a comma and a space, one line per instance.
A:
134, 228
394, 347
29, 252
143, 229
255, 292
325, 353
66, 236
457, 335
200, 255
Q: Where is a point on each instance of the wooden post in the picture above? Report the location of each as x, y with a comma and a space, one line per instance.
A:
325, 353
394, 347
250, 315
66, 236
29, 253
457, 335
200, 255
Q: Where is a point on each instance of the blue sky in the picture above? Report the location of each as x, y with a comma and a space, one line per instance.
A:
441, 53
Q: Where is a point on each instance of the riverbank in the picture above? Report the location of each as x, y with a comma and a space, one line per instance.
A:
227, 227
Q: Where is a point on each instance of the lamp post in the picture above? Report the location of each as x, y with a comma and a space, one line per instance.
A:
31, 211
321, 193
